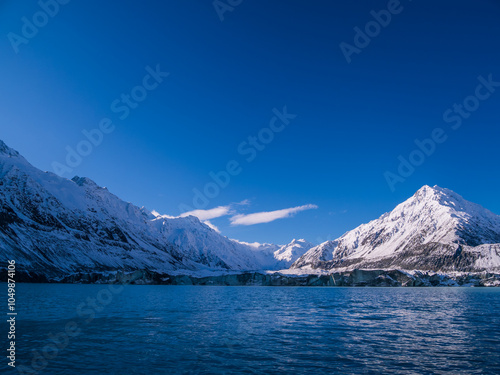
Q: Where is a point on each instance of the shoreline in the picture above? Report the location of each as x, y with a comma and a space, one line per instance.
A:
354, 278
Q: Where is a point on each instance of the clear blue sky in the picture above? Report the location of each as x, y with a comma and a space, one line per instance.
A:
353, 119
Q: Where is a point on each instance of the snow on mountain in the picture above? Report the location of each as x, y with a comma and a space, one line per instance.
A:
263, 253
58, 226
288, 254
436, 229
278, 257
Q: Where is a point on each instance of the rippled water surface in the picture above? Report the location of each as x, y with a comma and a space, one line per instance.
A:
268, 330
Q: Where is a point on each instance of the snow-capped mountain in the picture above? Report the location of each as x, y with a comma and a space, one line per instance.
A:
278, 257
288, 254
435, 230
58, 226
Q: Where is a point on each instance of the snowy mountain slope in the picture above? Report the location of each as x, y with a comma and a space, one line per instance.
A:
288, 254
60, 226
276, 257
436, 229
264, 253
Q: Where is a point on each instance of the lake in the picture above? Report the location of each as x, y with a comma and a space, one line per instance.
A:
100, 329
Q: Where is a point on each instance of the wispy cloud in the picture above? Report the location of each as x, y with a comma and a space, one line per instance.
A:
209, 214
158, 215
209, 224
267, 217
216, 212
245, 202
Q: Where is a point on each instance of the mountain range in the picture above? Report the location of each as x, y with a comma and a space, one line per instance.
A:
58, 227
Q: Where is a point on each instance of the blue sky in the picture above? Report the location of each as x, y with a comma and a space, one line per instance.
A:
325, 171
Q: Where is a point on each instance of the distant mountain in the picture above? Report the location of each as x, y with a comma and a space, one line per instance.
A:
435, 230
57, 226
288, 254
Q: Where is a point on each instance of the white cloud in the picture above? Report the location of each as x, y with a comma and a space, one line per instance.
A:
267, 217
208, 223
158, 215
209, 214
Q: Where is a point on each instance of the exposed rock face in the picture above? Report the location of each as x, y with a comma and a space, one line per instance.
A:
435, 230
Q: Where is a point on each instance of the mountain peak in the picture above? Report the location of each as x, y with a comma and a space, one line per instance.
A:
287, 254
437, 193
299, 241
84, 181
436, 229
6, 150
427, 190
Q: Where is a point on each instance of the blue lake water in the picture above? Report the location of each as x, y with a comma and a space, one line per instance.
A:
259, 330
